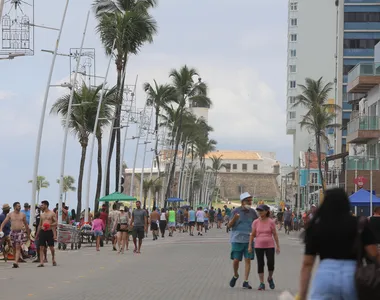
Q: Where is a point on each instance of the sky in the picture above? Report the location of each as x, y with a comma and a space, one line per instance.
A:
238, 48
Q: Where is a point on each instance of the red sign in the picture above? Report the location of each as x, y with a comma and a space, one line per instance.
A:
360, 181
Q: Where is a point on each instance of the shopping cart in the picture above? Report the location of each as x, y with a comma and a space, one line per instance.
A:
68, 235
86, 234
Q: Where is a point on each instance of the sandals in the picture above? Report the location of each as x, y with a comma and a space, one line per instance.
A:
15, 266
40, 266
54, 264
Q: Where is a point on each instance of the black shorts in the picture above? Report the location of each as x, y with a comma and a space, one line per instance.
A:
191, 223
138, 232
153, 226
200, 223
46, 237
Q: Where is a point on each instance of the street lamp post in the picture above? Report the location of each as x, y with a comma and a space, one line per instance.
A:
42, 119
87, 204
371, 188
66, 134
356, 174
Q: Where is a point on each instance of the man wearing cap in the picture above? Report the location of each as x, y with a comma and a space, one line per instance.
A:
6, 230
26, 211
241, 224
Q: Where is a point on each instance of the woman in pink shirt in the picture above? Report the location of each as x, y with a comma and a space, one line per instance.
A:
265, 235
98, 227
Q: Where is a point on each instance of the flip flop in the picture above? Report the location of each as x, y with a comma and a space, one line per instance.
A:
40, 266
15, 266
54, 264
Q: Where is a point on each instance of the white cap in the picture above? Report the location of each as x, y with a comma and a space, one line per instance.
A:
245, 195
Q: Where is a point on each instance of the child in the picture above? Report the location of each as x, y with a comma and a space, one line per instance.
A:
97, 228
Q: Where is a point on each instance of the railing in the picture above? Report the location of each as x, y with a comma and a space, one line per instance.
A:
362, 163
363, 123
364, 69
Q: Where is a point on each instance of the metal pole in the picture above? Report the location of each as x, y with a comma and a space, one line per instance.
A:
137, 149
42, 120
299, 184
126, 130
93, 140
356, 173
63, 155
150, 178
371, 188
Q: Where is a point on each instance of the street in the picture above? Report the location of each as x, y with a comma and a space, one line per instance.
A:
181, 267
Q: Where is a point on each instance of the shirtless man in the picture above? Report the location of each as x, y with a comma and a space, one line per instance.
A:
154, 218
18, 228
45, 231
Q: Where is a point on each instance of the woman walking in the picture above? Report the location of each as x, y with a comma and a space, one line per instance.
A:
219, 219
332, 234
264, 230
97, 228
122, 225
163, 222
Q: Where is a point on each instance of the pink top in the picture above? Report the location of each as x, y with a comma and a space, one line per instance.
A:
264, 233
97, 225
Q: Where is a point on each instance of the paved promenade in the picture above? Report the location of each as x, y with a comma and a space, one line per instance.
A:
181, 267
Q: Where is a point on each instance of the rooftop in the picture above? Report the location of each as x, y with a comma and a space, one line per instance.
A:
235, 154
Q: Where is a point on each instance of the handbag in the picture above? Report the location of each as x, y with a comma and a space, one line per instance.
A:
367, 275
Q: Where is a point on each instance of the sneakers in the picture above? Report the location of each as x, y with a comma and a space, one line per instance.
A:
246, 285
233, 281
271, 283
261, 287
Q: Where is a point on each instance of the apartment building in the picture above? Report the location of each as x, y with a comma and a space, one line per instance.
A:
363, 129
361, 32
311, 53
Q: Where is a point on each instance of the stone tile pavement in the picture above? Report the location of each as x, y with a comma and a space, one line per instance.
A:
181, 267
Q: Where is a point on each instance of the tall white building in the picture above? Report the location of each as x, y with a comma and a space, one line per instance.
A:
311, 53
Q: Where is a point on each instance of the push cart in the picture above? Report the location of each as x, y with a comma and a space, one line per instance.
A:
68, 235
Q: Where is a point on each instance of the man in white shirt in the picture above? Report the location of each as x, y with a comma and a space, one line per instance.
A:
200, 220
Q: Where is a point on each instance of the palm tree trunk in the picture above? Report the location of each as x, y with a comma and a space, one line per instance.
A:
201, 178
156, 145
38, 196
318, 144
99, 180
118, 124
80, 179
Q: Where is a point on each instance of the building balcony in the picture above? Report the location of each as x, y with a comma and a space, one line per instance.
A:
358, 52
363, 129
291, 126
363, 78
362, 163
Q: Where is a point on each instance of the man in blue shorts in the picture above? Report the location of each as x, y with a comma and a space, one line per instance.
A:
241, 227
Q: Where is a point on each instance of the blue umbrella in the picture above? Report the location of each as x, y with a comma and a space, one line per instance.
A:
173, 199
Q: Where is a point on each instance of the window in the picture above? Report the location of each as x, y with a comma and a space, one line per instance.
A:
292, 99
314, 178
292, 84
228, 167
293, 22
255, 168
292, 68
293, 37
293, 5
234, 166
362, 17
292, 115
293, 53
347, 69
360, 43
244, 166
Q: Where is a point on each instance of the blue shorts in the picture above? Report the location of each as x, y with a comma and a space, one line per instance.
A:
98, 233
171, 224
238, 250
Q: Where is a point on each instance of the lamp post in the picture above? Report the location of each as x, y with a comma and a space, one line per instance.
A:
356, 173
87, 204
64, 145
42, 119
370, 187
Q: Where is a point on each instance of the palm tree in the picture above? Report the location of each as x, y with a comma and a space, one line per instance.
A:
128, 25
81, 123
156, 188
42, 183
216, 165
147, 184
159, 96
320, 115
188, 93
68, 182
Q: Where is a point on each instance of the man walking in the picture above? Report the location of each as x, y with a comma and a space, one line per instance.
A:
241, 227
45, 234
17, 234
171, 224
287, 220
191, 221
139, 221
154, 219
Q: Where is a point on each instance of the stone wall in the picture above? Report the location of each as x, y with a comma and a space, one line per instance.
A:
262, 185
